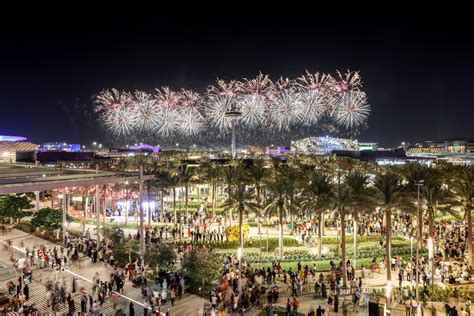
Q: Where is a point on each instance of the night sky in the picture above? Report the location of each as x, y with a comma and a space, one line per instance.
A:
418, 74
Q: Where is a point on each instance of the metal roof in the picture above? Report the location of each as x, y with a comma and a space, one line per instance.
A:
16, 178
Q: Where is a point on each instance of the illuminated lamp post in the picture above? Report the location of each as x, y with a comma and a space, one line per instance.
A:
233, 113
419, 184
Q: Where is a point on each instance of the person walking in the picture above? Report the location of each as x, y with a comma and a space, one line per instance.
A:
131, 310
172, 296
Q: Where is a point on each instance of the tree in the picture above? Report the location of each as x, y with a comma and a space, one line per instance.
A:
131, 248
212, 173
49, 219
201, 267
389, 196
362, 200
187, 176
315, 198
292, 176
258, 174
277, 203
242, 199
342, 201
230, 173
13, 206
161, 257
172, 180
414, 173
463, 186
113, 233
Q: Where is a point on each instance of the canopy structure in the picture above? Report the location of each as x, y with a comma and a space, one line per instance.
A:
16, 178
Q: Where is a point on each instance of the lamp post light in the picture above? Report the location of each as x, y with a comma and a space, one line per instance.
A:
419, 184
233, 113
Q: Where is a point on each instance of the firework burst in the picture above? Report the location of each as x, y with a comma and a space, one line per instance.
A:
286, 106
260, 108
352, 110
314, 98
147, 116
190, 121
216, 111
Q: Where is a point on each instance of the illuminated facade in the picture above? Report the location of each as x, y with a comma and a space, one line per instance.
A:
323, 145
10, 145
56, 146
459, 150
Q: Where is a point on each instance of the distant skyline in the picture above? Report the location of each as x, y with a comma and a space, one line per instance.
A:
417, 72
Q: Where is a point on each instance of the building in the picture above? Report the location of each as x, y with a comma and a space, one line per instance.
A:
57, 146
454, 150
10, 145
323, 145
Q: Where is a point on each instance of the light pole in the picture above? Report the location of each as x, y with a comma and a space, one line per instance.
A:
142, 228
419, 184
233, 113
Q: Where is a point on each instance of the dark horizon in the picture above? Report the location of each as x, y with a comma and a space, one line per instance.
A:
417, 73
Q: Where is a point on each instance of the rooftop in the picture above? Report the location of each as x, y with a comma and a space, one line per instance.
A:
16, 178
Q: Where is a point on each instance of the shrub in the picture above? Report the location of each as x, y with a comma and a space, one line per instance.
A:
272, 243
360, 239
25, 226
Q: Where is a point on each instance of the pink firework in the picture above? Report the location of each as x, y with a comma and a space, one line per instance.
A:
166, 97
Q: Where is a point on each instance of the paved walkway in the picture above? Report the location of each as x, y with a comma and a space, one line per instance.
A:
187, 305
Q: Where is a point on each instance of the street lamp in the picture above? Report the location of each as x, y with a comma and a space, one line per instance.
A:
233, 113
419, 184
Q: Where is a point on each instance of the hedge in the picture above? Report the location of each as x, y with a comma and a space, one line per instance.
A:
291, 257
272, 243
360, 239
320, 266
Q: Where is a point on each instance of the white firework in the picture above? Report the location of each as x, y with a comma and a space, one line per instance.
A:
147, 112
190, 122
313, 106
253, 108
285, 110
351, 109
217, 112
167, 122
121, 121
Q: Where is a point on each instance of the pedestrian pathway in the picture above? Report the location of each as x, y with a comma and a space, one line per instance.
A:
187, 305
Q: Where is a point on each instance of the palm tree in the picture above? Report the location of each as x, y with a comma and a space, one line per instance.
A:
258, 174
212, 173
230, 173
277, 203
172, 180
388, 196
315, 197
242, 199
292, 175
362, 200
463, 186
342, 201
187, 176
414, 173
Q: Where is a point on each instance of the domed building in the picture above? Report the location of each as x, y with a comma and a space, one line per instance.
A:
10, 145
